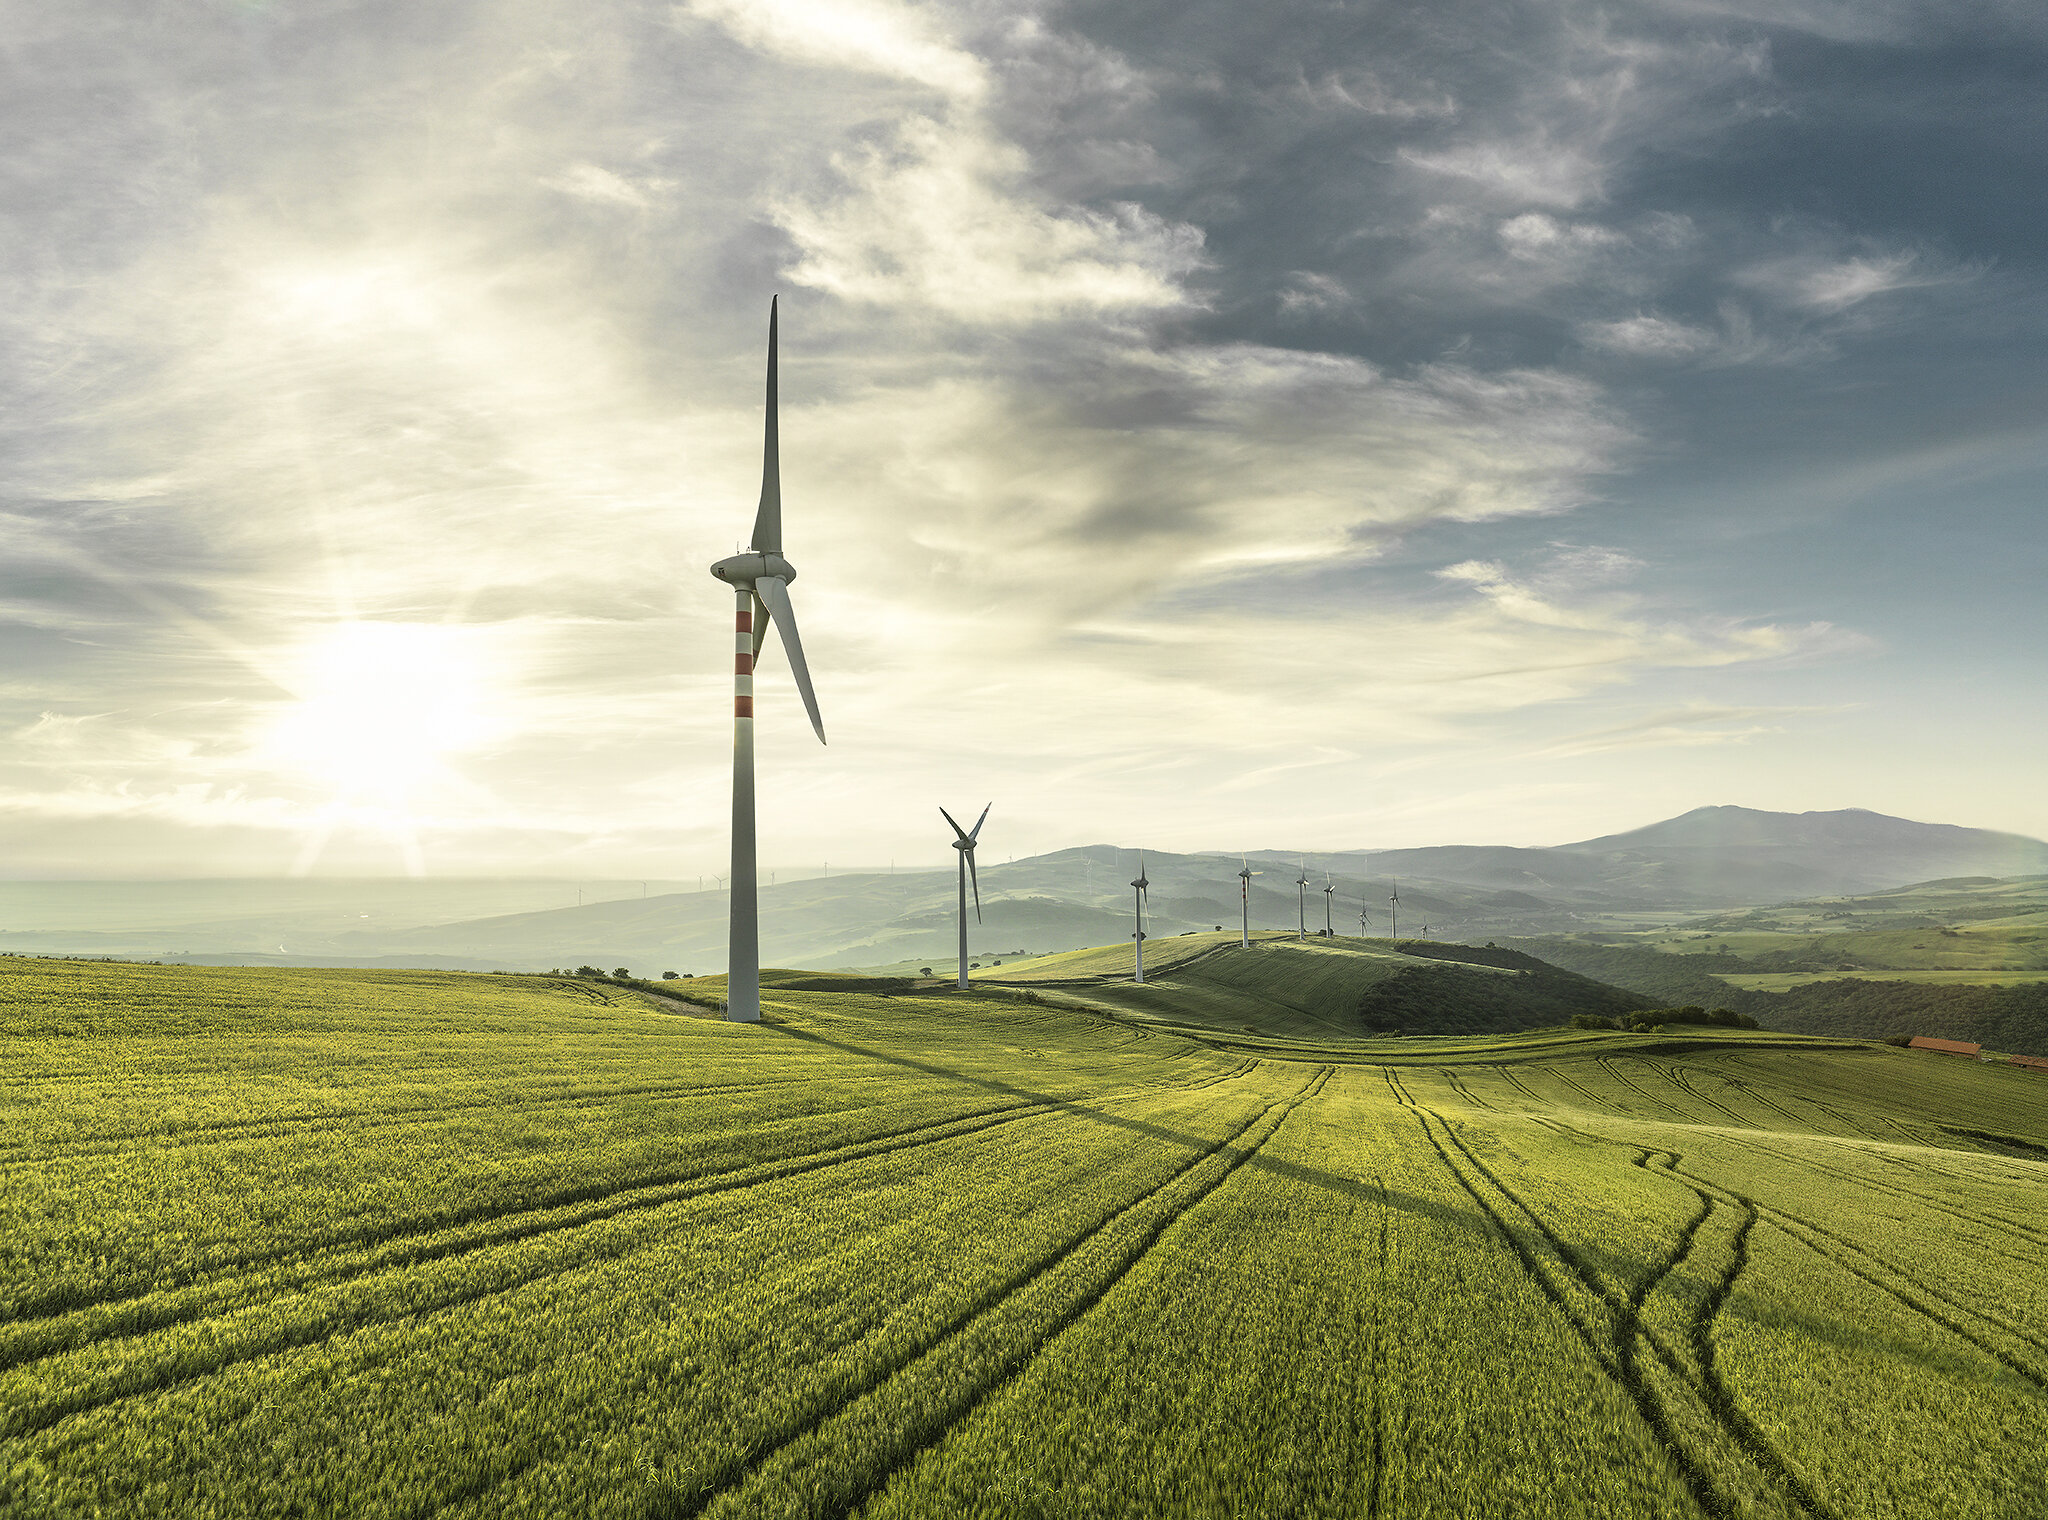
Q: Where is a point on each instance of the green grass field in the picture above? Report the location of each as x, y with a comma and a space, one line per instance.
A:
375, 1244
1778, 981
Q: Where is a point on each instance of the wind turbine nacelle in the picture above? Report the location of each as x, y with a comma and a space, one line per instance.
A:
745, 569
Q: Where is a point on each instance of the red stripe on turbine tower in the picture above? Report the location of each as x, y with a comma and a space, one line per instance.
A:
744, 622
743, 664
743, 707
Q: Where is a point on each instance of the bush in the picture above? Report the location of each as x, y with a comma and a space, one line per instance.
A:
1657, 1018
924, 971
1592, 1021
588, 971
668, 976
621, 972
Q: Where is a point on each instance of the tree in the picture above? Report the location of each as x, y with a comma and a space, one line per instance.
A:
668, 976
924, 971
622, 972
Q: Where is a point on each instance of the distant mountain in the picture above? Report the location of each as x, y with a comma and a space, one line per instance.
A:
1711, 858
1725, 857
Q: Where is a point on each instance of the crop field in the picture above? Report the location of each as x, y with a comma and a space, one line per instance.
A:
401, 1244
1778, 981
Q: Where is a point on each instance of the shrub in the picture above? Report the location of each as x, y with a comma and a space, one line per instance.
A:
621, 972
588, 971
668, 976
924, 971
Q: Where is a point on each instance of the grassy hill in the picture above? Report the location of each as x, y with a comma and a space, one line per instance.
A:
393, 1244
1318, 988
1962, 958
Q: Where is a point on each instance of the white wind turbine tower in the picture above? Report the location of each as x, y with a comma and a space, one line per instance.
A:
1138, 890
1301, 893
1329, 886
1244, 900
1395, 932
760, 580
964, 842
1364, 919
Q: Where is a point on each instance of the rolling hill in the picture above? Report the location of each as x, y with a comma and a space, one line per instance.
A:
1323, 988
391, 1244
1712, 859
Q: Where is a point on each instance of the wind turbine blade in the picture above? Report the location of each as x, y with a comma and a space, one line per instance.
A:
768, 521
760, 627
977, 883
975, 833
771, 590
954, 821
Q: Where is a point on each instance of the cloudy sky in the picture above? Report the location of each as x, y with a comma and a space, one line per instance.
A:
1205, 424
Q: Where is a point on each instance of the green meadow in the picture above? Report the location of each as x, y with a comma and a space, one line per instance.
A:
398, 1244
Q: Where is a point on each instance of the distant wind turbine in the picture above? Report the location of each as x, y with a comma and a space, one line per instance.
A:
1364, 920
964, 843
1301, 894
1395, 900
1138, 890
1329, 886
760, 580
1244, 899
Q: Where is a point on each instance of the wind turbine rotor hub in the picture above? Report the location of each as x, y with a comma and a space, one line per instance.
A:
745, 569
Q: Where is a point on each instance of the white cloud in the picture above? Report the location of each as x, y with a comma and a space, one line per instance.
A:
901, 41
1829, 284
1646, 336
589, 182
941, 218
1700, 725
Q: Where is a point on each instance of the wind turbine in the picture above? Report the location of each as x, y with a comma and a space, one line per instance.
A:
964, 843
1138, 890
1329, 886
1364, 919
1395, 932
1301, 894
760, 580
1244, 898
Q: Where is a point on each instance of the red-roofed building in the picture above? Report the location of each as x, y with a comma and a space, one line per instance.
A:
1945, 1047
2033, 1063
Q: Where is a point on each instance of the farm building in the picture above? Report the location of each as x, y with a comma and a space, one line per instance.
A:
2034, 1063
1945, 1047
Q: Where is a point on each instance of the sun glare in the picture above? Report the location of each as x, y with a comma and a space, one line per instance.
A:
382, 706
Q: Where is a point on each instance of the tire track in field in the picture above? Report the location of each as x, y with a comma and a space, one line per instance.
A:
1838, 1120
134, 1377
928, 1423
1793, 1224
1610, 1066
1794, 1229
1756, 1095
1377, 1411
1833, 1248
1458, 1086
1616, 1356
291, 1126
138, 1377
387, 1249
1680, 1077
1996, 1224
1600, 1104
1515, 1080
406, 1250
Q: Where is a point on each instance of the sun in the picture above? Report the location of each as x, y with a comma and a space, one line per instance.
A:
381, 707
